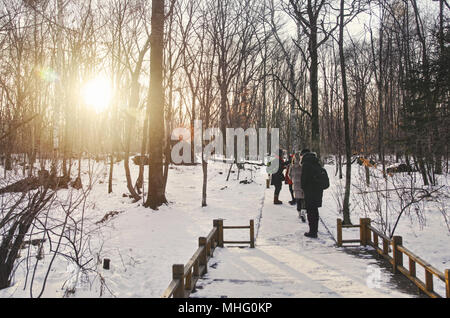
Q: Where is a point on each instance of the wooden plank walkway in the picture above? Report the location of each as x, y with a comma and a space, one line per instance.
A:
287, 264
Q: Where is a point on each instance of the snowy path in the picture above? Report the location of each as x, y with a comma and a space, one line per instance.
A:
287, 264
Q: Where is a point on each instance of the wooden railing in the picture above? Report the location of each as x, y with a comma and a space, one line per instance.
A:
370, 236
185, 277
251, 227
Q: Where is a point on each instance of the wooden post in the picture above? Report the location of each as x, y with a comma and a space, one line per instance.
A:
412, 267
219, 225
368, 231
252, 234
385, 246
188, 285
362, 232
397, 255
196, 268
268, 183
216, 236
220, 233
447, 282
428, 280
339, 232
204, 255
178, 274
375, 239
208, 249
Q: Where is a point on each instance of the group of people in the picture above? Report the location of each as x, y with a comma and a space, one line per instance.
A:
301, 171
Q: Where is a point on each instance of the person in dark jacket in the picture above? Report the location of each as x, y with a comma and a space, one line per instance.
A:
313, 193
278, 177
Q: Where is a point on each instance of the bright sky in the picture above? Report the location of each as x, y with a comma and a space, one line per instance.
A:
356, 27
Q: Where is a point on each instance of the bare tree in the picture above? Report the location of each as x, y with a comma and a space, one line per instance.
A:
348, 148
311, 17
156, 196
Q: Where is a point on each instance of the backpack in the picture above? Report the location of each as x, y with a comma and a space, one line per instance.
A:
272, 166
321, 178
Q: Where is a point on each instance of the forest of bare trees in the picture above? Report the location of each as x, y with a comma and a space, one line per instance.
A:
110, 81
345, 78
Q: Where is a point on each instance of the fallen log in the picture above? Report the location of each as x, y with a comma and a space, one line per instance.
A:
32, 183
401, 168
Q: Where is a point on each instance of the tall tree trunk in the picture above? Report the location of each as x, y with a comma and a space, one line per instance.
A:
314, 87
58, 90
156, 195
365, 131
293, 118
348, 150
223, 110
205, 180
111, 168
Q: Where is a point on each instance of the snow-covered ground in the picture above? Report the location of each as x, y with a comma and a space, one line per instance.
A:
425, 231
287, 264
143, 244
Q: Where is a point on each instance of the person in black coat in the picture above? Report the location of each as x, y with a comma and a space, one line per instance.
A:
278, 177
313, 193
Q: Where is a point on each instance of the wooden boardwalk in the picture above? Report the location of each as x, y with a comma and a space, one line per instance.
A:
287, 264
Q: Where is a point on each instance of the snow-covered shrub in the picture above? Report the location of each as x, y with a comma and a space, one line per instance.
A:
388, 199
42, 228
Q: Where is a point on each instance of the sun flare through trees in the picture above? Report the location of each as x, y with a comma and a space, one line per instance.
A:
93, 94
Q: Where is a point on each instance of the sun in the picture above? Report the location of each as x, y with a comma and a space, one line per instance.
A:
97, 93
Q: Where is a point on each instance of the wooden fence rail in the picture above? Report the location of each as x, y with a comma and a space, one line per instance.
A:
185, 277
370, 236
251, 227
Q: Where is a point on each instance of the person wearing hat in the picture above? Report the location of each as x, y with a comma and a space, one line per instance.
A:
313, 194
